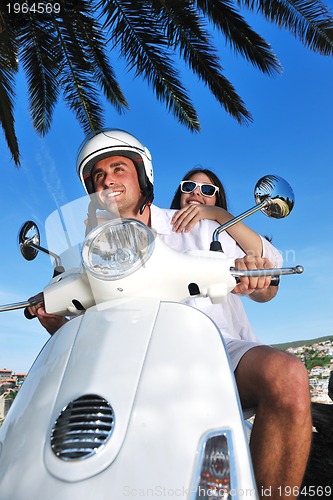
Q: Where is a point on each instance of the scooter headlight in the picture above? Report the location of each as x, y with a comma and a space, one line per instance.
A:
117, 248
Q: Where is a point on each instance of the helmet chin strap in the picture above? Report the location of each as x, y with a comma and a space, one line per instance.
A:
148, 200
146, 203
92, 219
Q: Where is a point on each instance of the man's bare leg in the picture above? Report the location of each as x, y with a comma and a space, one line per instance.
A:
276, 383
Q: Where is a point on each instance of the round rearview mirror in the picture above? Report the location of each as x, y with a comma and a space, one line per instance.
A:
278, 193
28, 237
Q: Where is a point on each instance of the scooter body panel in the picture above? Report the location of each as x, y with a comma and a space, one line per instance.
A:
163, 368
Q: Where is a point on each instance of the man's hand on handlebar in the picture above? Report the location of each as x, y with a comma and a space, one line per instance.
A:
258, 288
50, 322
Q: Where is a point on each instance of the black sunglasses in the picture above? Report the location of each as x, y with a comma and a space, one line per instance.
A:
205, 189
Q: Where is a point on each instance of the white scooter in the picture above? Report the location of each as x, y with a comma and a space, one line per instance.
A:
133, 397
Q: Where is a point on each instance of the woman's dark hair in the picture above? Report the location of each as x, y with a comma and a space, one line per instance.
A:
221, 199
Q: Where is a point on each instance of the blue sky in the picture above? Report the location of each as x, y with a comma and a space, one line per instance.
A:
291, 136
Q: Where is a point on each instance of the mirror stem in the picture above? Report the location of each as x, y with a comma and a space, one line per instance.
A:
240, 217
30, 243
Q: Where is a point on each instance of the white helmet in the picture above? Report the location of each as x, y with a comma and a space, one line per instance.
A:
115, 142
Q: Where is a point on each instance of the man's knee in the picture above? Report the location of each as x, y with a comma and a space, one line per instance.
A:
286, 382
274, 380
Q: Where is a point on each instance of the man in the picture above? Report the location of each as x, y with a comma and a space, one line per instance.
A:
117, 167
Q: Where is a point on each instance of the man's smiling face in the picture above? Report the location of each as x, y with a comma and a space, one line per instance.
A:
116, 181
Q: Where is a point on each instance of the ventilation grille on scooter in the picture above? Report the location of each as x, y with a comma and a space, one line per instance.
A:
82, 428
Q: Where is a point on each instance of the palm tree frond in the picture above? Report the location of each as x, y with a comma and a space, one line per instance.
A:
41, 59
69, 51
239, 35
308, 20
7, 122
141, 42
95, 43
8, 71
185, 32
79, 95
76, 78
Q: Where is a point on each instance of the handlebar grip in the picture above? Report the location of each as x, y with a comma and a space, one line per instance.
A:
275, 281
27, 314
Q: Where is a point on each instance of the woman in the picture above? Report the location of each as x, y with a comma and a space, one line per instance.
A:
201, 195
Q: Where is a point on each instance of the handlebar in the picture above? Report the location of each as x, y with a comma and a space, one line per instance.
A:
23, 305
19, 305
257, 273
237, 273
